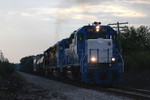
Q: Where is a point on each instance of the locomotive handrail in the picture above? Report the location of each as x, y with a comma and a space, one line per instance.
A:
121, 59
62, 62
81, 58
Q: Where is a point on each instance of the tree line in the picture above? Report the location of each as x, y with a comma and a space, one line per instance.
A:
6, 68
26, 64
136, 47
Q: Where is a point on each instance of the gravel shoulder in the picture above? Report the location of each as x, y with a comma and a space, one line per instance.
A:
53, 90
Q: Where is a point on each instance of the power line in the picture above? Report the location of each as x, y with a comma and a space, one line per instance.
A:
118, 26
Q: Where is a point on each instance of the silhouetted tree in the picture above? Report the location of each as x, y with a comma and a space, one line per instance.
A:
135, 39
26, 64
136, 47
6, 68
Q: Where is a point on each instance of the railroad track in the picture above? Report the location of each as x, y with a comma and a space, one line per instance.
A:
137, 94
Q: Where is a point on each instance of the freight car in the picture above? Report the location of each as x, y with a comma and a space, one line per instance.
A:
92, 54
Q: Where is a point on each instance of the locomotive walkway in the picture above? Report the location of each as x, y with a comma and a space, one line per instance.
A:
60, 91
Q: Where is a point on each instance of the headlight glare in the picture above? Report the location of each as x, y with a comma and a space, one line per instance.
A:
97, 28
93, 59
113, 59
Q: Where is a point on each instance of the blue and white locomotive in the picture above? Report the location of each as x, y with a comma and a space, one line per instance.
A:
92, 54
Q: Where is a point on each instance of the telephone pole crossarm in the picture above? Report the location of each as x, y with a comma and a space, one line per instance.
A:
118, 26
118, 23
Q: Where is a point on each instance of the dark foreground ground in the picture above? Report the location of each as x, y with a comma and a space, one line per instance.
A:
40, 88
15, 87
137, 79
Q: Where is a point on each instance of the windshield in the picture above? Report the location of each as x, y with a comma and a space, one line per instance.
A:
95, 35
100, 35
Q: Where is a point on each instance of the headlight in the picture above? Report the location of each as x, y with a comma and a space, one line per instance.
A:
93, 59
97, 28
113, 59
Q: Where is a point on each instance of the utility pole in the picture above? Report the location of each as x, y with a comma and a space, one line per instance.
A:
118, 26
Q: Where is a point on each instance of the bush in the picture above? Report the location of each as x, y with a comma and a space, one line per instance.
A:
6, 68
137, 61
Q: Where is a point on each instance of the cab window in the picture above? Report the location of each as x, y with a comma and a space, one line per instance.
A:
66, 44
61, 48
81, 38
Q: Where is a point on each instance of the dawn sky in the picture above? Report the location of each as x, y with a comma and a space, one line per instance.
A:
28, 27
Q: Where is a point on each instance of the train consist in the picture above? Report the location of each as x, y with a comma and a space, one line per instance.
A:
92, 54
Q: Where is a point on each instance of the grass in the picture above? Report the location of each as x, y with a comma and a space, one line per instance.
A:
10, 85
18, 75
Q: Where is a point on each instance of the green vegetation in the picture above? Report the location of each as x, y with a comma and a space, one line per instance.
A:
26, 64
136, 48
6, 68
11, 85
137, 61
19, 76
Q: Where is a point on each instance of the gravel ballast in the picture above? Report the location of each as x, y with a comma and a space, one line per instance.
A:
61, 91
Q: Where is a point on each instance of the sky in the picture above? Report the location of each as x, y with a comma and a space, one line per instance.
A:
29, 27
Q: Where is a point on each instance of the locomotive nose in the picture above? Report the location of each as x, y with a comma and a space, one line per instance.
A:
99, 50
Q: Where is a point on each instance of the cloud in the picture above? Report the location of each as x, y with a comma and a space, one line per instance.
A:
26, 14
121, 11
81, 16
12, 12
114, 10
137, 1
46, 19
80, 12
